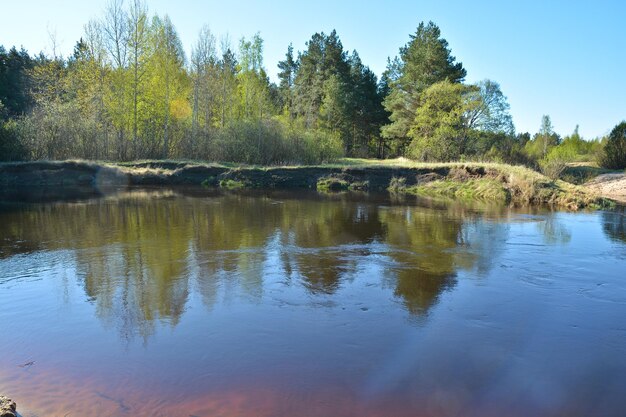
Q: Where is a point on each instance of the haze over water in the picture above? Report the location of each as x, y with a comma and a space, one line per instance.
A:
195, 303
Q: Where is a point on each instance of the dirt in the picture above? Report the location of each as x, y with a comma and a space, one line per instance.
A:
612, 186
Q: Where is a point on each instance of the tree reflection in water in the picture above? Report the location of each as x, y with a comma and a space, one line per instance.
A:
140, 254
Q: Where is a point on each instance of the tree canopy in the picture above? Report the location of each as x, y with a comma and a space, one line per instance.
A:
424, 61
129, 91
614, 155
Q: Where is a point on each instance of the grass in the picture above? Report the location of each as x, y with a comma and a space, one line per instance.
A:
482, 189
582, 172
327, 184
230, 184
505, 184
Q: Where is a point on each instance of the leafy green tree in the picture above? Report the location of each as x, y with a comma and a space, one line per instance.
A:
138, 48
492, 115
543, 141
227, 79
439, 130
424, 61
575, 148
255, 102
614, 155
167, 79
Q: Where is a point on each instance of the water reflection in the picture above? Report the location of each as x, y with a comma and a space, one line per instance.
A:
614, 224
273, 304
140, 254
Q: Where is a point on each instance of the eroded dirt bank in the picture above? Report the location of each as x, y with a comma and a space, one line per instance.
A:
473, 181
76, 173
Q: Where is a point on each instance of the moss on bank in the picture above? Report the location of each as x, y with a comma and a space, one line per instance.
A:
334, 183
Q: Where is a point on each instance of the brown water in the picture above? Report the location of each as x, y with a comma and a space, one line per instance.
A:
191, 303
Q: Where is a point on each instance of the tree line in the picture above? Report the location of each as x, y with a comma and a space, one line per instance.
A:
128, 91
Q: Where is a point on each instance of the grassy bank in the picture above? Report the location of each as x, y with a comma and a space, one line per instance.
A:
490, 182
505, 184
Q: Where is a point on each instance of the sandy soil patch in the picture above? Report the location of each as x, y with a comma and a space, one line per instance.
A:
609, 185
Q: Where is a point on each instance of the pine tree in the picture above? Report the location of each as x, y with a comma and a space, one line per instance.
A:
424, 61
288, 70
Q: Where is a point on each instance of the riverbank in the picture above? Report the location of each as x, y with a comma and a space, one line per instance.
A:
610, 185
488, 182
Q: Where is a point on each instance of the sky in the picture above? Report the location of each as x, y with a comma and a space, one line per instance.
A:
566, 59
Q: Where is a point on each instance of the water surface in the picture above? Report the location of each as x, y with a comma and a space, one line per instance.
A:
195, 303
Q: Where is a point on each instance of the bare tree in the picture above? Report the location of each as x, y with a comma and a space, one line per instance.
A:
115, 32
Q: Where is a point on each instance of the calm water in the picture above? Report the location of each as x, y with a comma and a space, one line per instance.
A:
171, 303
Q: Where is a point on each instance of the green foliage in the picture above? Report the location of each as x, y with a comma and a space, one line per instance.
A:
11, 148
485, 189
397, 185
330, 90
271, 143
332, 184
492, 112
288, 70
128, 93
543, 141
497, 147
574, 148
15, 82
439, 130
554, 164
424, 61
231, 184
614, 155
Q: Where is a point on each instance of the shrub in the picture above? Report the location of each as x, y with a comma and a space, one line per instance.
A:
614, 155
270, 143
11, 148
553, 165
397, 185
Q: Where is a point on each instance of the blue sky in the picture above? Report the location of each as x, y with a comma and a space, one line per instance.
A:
562, 58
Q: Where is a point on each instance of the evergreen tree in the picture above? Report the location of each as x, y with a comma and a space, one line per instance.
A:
424, 61
614, 154
288, 70
439, 130
15, 81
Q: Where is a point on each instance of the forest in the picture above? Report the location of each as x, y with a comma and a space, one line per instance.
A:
129, 91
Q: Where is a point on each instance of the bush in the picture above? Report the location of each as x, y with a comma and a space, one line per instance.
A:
614, 155
577, 149
553, 165
11, 148
270, 143
397, 185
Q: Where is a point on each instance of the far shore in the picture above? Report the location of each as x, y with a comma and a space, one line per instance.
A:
490, 182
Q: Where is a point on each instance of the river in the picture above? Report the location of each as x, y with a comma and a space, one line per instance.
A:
202, 303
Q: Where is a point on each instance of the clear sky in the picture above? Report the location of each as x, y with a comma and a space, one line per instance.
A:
562, 58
